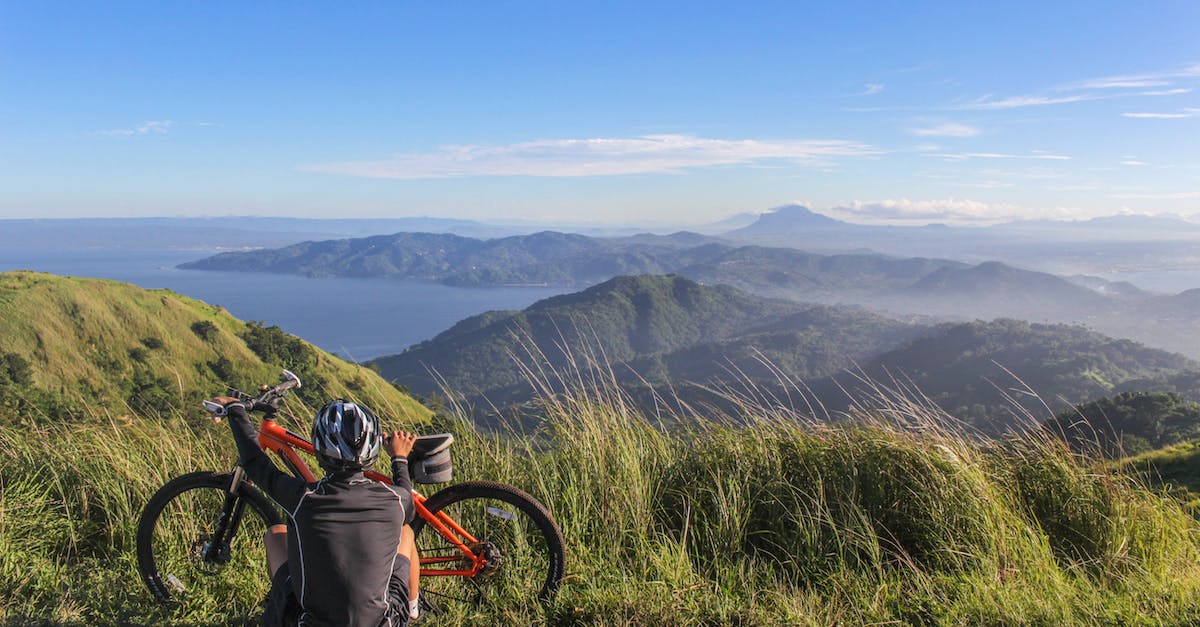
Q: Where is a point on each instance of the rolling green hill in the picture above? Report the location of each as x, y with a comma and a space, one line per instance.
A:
652, 329
623, 318
679, 338
84, 348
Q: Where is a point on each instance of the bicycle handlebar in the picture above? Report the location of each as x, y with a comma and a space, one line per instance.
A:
267, 400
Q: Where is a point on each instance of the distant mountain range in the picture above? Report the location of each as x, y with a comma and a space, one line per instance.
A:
895, 286
673, 337
1091, 246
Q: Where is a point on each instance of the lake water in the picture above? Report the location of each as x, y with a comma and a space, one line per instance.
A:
359, 319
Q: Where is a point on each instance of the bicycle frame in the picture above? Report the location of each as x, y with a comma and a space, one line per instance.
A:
275, 438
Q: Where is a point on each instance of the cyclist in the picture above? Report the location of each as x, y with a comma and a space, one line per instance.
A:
347, 555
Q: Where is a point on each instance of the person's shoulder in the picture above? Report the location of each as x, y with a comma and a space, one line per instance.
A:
382, 489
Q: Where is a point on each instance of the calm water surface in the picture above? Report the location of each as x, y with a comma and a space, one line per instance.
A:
357, 318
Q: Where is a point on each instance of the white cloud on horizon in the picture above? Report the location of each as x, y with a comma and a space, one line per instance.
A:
149, 127
1166, 196
949, 129
950, 210
649, 154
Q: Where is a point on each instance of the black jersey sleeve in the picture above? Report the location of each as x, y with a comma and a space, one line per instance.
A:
402, 486
280, 486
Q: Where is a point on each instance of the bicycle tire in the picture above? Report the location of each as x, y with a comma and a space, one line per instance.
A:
514, 536
159, 554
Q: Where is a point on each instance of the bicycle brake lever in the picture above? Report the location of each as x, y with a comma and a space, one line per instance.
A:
216, 409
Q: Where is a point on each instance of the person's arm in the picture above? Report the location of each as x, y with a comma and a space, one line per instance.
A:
399, 444
280, 486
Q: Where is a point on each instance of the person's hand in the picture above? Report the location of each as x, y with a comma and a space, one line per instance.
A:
399, 443
223, 401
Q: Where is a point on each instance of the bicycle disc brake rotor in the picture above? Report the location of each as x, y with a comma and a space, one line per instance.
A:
208, 560
492, 555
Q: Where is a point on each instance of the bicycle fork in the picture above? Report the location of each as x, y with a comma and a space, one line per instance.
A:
216, 550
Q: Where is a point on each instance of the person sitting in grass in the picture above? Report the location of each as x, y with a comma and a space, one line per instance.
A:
346, 556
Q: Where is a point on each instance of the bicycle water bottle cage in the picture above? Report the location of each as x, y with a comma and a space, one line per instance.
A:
429, 461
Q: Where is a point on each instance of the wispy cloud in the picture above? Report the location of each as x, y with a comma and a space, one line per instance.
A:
650, 154
949, 129
1123, 83
1182, 113
1149, 79
1133, 162
149, 127
871, 89
1167, 92
963, 156
1092, 89
1014, 102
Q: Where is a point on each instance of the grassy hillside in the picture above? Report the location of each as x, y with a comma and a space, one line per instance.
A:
82, 349
781, 521
892, 517
1175, 468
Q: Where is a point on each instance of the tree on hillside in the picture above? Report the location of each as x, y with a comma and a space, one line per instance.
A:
1129, 423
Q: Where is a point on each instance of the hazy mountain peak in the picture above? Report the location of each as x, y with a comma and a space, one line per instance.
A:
781, 220
797, 215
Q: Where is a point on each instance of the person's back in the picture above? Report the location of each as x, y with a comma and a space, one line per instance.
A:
342, 552
349, 553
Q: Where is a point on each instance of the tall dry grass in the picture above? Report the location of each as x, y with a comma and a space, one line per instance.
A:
766, 514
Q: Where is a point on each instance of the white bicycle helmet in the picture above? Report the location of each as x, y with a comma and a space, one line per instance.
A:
346, 436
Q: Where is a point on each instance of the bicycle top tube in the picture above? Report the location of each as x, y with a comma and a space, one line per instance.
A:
274, 437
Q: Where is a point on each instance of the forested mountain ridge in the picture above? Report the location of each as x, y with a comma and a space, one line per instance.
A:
986, 373
1128, 423
623, 318
574, 260
547, 257
680, 337
85, 348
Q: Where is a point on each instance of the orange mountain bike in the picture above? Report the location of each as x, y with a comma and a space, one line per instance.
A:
479, 541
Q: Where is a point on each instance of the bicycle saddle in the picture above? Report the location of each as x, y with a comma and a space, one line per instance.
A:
428, 445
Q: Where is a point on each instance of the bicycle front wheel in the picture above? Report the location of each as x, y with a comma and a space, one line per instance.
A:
515, 533
196, 541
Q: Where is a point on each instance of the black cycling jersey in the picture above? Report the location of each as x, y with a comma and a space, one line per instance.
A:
343, 534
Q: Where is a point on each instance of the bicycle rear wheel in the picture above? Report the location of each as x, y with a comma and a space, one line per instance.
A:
517, 535
176, 552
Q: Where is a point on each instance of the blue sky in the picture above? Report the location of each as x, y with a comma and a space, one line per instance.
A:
614, 112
